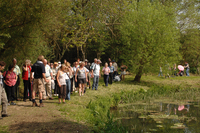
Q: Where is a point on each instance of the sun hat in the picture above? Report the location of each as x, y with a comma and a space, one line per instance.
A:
86, 60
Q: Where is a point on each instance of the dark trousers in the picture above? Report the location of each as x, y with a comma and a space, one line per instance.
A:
10, 91
16, 89
106, 77
110, 78
56, 87
114, 74
62, 91
71, 84
27, 88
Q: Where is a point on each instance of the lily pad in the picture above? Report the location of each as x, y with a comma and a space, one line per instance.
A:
153, 130
159, 126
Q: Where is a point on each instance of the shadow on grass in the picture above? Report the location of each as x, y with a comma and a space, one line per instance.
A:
59, 126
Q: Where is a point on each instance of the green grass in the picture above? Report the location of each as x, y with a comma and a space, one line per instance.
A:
93, 108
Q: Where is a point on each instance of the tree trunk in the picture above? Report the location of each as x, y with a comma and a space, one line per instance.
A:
98, 55
138, 75
77, 50
83, 52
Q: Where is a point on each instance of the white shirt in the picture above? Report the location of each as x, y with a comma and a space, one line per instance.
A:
67, 76
48, 71
74, 69
96, 69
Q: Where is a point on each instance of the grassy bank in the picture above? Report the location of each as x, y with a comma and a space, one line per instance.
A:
93, 108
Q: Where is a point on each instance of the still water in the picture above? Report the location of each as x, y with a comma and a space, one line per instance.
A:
160, 117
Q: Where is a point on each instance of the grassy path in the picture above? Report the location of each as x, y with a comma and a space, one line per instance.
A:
71, 117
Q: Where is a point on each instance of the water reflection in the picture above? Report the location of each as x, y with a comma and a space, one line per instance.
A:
160, 117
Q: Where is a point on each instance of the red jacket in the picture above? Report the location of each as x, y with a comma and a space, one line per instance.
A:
25, 73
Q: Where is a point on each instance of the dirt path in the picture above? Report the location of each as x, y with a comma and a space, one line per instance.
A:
48, 119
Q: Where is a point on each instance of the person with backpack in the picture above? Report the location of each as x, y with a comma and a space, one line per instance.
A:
95, 73
3, 97
10, 79
82, 78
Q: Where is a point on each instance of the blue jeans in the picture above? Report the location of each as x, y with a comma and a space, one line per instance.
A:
187, 72
106, 78
95, 82
68, 89
160, 74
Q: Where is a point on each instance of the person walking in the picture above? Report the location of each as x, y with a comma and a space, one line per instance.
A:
3, 97
61, 79
54, 71
88, 73
96, 73
17, 72
26, 79
68, 71
10, 81
74, 72
187, 69
115, 68
82, 78
160, 72
38, 84
111, 73
106, 71
49, 76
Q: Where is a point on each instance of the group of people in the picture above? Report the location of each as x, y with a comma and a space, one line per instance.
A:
175, 73
42, 77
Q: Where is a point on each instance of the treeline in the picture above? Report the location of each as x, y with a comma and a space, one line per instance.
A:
143, 34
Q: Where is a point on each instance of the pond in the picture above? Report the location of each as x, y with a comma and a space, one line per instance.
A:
159, 117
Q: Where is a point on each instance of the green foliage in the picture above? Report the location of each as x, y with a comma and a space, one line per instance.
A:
150, 36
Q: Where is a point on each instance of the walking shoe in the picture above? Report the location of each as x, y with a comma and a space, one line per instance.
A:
5, 115
41, 105
34, 104
8, 104
50, 98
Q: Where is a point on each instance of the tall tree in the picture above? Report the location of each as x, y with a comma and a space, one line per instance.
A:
150, 36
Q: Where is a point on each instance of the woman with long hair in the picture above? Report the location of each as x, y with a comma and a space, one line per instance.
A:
61, 75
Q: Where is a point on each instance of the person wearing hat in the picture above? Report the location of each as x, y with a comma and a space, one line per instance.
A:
96, 74
115, 69
88, 74
26, 80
